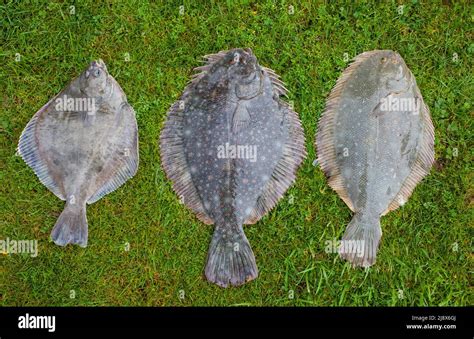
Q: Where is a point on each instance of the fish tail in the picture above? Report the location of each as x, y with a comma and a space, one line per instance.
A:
71, 227
230, 259
360, 242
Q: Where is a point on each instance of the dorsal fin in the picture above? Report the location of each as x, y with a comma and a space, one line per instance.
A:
175, 164
209, 60
29, 150
279, 88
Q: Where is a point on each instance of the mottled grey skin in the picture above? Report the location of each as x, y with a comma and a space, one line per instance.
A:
235, 103
376, 149
381, 145
82, 155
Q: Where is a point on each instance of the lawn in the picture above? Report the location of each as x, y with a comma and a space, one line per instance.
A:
145, 248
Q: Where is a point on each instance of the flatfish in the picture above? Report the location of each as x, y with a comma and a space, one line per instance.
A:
375, 143
231, 148
82, 145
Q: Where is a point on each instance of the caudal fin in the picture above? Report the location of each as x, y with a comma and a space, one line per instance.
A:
360, 242
71, 227
230, 260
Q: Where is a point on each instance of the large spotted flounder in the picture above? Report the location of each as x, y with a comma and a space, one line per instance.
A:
375, 143
82, 145
231, 147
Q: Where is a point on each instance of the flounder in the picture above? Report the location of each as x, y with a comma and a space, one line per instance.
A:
82, 145
231, 147
375, 142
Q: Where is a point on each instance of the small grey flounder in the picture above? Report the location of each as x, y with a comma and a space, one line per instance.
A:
375, 143
82, 145
231, 147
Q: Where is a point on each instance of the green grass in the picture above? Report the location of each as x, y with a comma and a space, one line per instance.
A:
168, 244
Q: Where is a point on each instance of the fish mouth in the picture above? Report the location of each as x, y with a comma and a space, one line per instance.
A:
99, 63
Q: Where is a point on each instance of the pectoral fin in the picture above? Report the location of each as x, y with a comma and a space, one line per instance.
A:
241, 118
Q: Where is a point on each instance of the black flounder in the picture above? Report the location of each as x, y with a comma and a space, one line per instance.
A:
231, 147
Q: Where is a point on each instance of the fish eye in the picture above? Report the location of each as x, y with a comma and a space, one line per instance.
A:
96, 72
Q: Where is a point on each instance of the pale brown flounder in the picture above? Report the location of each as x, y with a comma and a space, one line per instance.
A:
82, 145
375, 143
231, 147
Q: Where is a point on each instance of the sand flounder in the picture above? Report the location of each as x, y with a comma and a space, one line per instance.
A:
375, 143
82, 145
231, 147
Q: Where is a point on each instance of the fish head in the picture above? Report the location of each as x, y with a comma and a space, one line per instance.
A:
242, 65
395, 76
93, 80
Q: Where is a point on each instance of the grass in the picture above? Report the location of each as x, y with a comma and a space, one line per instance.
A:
425, 256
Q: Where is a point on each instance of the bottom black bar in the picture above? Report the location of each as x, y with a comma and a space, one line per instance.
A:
445, 321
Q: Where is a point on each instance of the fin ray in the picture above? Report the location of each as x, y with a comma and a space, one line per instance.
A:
241, 118
30, 152
230, 259
175, 164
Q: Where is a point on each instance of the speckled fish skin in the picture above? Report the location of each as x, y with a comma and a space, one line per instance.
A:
374, 154
234, 101
82, 153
